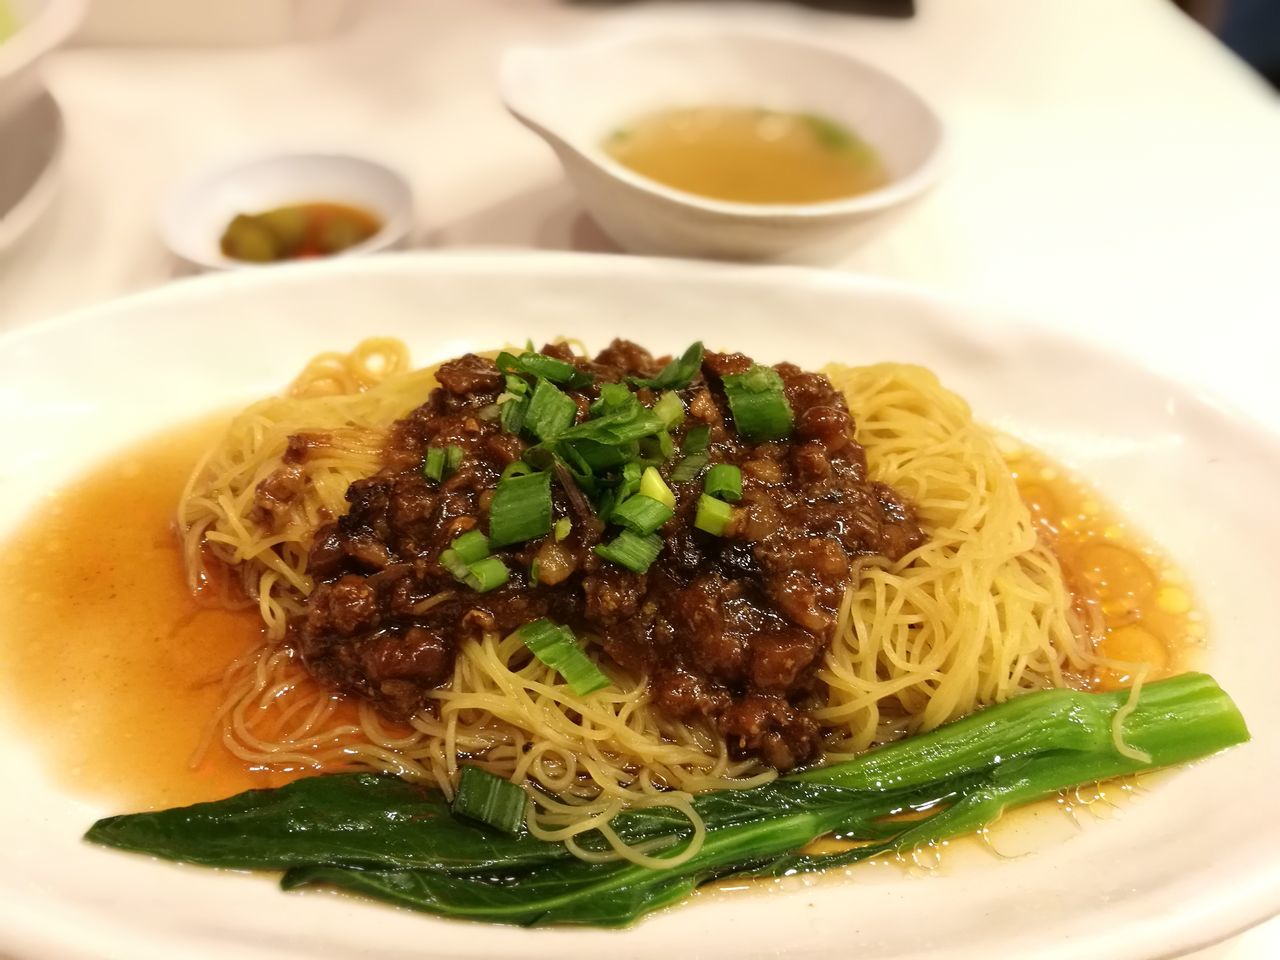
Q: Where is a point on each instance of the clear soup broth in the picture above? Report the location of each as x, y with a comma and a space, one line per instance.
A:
749, 155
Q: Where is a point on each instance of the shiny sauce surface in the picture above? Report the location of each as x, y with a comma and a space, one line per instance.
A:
115, 670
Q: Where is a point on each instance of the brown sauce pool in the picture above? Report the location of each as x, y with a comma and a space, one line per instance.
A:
116, 669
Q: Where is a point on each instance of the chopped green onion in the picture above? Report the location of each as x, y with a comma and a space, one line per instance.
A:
669, 409
614, 397
631, 550
758, 403
514, 411
490, 799
562, 528
517, 468
598, 457
487, 574
441, 461
696, 439
630, 482
550, 413
541, 366
713, 515
521, 509
616, 427
724, 481
641, 514
471, 546
677, 374
605, 504
483, 575
450, 560
453, 455
433, 465
557, 647
535, 571
689, 468
652, 485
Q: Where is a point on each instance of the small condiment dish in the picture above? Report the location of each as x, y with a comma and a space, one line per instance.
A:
196, 215
574, 96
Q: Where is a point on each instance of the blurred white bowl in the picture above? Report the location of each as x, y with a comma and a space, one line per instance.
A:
42, 25
574, 96
31, 139
194, 218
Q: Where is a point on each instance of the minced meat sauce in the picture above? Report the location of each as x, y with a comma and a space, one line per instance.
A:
729, 629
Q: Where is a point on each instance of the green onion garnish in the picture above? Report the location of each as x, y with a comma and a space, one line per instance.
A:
613, 398
551, 411
441, 461
490, 799
557, 647
758, 403
433, 465
724, 480
713, 515
452, 458
616, 427
652, 485
482, 575
471, 546
630, 482
641, 514
514, 412
669, 409
677, 374
450, 560
521, 509
517, 468
696, 439
562, 528
688, 468
631, 550
487, 574
541, 366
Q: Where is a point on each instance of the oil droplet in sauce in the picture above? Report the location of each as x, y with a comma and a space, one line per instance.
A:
107, 655
748, 155
1134, 597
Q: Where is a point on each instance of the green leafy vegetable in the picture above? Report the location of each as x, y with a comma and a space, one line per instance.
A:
387, 839
758, 403
677, 374
521, 509
490, 799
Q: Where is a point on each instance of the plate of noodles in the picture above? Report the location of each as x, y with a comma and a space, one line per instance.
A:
500, 604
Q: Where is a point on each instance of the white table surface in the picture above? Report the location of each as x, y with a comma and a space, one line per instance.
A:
1111, 166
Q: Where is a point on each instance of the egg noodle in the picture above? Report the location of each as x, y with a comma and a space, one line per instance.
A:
975, 615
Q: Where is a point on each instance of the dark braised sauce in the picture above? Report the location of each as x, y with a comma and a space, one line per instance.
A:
728, 629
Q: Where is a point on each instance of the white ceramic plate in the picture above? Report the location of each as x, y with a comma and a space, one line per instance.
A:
1193, 860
